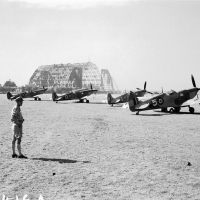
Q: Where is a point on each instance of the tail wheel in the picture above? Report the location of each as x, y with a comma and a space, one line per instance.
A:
87, 101
191, 109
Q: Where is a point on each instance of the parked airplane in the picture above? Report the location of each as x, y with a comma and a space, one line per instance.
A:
76, 94
124, 98
175, 100
31, 94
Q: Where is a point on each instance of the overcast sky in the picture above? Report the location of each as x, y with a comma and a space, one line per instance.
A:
137, 41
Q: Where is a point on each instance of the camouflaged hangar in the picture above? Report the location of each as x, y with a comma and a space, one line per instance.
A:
74, 76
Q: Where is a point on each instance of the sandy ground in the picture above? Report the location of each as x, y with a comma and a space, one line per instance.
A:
94, 151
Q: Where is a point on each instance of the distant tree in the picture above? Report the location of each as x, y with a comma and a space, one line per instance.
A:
9, 84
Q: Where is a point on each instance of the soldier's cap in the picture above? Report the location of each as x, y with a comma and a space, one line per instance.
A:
19, 99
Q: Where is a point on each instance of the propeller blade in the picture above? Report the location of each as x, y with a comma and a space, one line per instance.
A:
149, 92
193, 81
145, 84
162, 89
91, 86
138, 88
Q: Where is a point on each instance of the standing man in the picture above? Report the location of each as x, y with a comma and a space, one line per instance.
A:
17, 119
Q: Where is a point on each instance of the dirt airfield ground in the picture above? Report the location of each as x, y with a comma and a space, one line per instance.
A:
97, 152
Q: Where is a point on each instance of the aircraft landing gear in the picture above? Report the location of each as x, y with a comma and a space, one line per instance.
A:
191, 109
177, 109
37, 99
84, 100
137, 113
164, 110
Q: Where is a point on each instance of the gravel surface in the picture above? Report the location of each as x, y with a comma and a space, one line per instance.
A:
98, 152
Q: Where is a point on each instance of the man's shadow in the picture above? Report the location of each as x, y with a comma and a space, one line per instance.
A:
60, 160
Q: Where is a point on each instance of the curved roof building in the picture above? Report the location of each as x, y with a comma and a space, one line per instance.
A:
78, 75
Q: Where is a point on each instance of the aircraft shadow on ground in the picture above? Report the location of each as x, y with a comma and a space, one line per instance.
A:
180, 113
60, 160
115, 106
38, 101
89, 103
156, 115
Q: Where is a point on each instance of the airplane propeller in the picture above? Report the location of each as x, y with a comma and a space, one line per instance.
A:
194, 84
193, 81
91, 86
145, 84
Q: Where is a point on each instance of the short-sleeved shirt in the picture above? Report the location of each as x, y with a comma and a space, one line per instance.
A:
16, 115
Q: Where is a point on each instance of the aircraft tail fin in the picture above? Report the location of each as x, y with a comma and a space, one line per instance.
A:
54, 95
109, 98
132, 101
9, 95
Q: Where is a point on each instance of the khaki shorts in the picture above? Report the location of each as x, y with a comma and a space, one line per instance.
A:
17, 130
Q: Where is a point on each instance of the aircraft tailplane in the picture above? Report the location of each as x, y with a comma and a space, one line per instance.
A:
9, 95
109, 98
132, 101
54, 95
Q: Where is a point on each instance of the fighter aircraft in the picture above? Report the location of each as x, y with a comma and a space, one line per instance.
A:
76, 94
124, 98
31, 94
174, 100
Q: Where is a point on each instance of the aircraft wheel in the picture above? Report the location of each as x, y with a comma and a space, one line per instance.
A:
87, 101
171, 110
111, 104
39, 99
35, 98
81, 100
137, 113
177, 109
191, 109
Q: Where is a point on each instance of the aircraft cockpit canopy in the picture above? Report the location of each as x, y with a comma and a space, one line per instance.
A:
171, 92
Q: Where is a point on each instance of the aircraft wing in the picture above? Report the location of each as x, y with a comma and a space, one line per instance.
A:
151, 103
144, 106
147, 100
117, 101
190, 102
59, 98
33, 94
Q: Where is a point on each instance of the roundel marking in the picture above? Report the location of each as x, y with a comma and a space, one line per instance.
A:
160, 101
